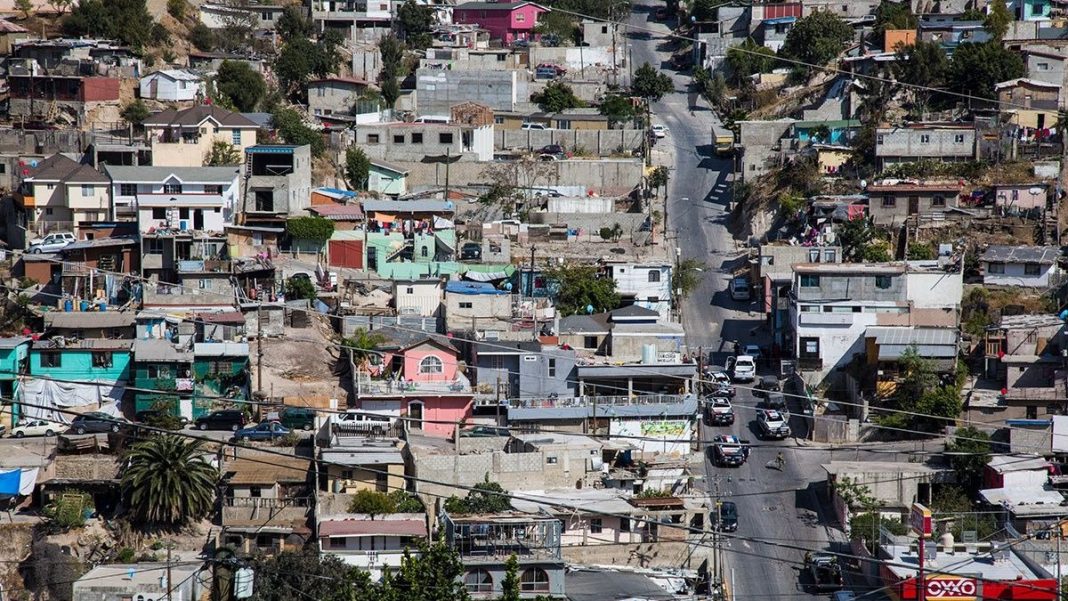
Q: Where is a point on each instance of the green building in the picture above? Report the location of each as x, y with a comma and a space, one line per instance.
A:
163, 378
14, 361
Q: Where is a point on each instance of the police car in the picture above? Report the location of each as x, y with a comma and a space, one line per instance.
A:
718, 411
729, 451
773, 424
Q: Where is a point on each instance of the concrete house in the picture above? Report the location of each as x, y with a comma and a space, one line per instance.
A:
277, 184
1023, 359
644, 285
183, 138
1033, 102
528, 369
1030, 10
925, 141
142, 580
1030, 266
335, 95
59, 193
166, 368
14, 362
1044, 63
892, 204
419, 297
262, 15
265, 501
172, 85
833, 305
359, 21
71, 89
387, 179
476, 307
98, 360
419, 142
179, 198
505, 21
373, 545
441, 89
354, 462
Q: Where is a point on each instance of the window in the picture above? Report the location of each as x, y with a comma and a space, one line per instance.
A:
398, 138
810, 281
445, 138
213, 189
534, 580
879, 139
589, 342
1042, 66
87, 191
889, 202
372, 138
48, 211
925, 139
101, 359
596, 526
431, 365
153, 372
520, 17
254, 492
466, 305
604, 29
235, 137
996, 268
882, 282
551, 460
478, 581
204, 284
417, 138
959, 138
424, 252
813, 255
153, 246
264, 201
552, 368
51, 359
183, 213
382, 482
172, 188
338, 542
1032, 269
624, 524
409, 290
654, 276
810, 348
159, 213
127, 189
829, 255
938, 201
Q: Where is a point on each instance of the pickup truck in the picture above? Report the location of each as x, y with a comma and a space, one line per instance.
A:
825, 572
718, 411
356, 421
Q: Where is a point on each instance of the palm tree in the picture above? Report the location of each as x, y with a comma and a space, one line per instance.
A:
167, 481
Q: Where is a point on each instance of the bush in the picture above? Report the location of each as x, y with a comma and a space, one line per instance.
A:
202, 37
176, 8
921, 251
316, 229
861, 526
484, 497
379, 503
611, 233
300, 288
125, 555
68, 510
291, 439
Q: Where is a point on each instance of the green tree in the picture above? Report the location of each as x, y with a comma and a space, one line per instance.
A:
975, 68
917, 377
579, 286
290, 126
648, 82
379, 503
357, 167
295, 65
314, 229
855, 236
705, 10
25, 7
320, 577
713, 88
292, 24
556, 97
997, 19
892, 15
222, 154
748, 59
433, 574
202, 37
920, 251
135, 112
968, 454
510, 582
392, 51
617, 108
559, 25
124, 20
300, 288
922, 66
362, 343
177, 8
686, 276
416, 21
484, 497
241, 85
817, 38
658, 179
167, 482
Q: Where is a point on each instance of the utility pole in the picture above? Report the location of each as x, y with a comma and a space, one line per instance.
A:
533, 248
259, 347
170, 587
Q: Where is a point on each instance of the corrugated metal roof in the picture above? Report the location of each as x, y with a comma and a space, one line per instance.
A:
160, 350
917, 336
1046, 255
190, 175
106, 319
379, 527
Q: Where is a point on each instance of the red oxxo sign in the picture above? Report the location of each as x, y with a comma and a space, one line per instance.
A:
952, 588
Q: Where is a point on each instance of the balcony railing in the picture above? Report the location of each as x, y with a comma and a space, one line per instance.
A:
586, 401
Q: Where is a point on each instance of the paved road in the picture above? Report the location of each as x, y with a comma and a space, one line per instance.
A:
771, 504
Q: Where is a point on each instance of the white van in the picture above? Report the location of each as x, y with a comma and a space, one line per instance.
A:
739, 289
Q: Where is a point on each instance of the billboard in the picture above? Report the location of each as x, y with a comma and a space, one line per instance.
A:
920, 520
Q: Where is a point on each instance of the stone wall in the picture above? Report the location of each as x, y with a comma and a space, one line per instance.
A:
608, 176
601, 142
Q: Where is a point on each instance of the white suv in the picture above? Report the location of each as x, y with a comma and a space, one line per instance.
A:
51, 243
742, 368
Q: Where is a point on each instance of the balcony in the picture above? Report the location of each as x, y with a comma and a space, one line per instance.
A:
203, 266
496, 537
365, 385
602, 401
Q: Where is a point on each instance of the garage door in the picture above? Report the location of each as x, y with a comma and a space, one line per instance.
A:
346, 253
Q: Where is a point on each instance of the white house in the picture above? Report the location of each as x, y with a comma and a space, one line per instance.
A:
419, 297
372, 544
181, 198
1031, 266
833, 305
172, 85
647, 285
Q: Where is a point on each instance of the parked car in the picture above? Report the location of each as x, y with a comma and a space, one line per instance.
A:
660, 14
51, 243
718, 411
356, 421
741, 368
95, 422
825, 571
754, 351
767, 384
262, 431
553, 149
36, 427
297, 418
302, 275
728, 451
538, 126
224, 419
777, 401
720, 383
160, 419
484, 432
659, 131
727, 520
471, 251
739, 289
773, 424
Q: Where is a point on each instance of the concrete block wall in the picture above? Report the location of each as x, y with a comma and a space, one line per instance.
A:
601, 142
610, 174
513, 471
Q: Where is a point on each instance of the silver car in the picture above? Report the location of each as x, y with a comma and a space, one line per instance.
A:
51, 243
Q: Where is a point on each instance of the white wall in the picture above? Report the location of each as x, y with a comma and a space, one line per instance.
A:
1014, 276
655, 436
840, 334
1025, 479
634, 280
482, 142
934, 290
424, 300
168, 89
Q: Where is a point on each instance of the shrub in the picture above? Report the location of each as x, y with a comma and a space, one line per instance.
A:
316, 229
921, 251
291, 439
125, 555
176, 8
68, 509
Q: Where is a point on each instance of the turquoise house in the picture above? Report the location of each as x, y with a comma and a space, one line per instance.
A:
163, 378
93, 359
14, 360
1030, 10
841, 131
387, 178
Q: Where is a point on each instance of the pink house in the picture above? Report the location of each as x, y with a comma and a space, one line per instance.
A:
427, 387
505, 21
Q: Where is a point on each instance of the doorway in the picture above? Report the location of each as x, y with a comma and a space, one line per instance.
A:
198, 219
415, 415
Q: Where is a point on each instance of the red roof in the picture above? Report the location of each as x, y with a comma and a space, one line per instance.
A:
372, 528
337, 211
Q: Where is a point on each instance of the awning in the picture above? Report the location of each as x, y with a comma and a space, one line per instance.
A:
18, 482
485, 276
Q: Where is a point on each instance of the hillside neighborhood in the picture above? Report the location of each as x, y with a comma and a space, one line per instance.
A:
596, 300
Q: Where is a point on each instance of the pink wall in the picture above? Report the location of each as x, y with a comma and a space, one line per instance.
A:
503, 25
446, 409
414, 356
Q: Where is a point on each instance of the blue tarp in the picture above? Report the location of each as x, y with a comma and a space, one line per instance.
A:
9, 483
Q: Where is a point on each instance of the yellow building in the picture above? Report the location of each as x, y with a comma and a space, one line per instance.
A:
183, 138
364, 464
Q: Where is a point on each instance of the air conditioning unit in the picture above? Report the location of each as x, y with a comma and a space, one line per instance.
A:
491, 335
